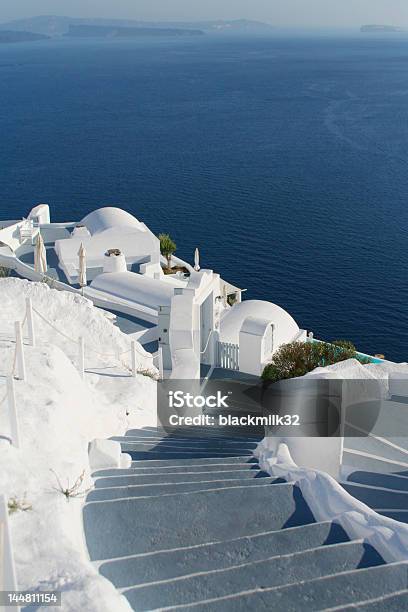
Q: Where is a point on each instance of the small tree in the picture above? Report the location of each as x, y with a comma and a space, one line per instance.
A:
167, 247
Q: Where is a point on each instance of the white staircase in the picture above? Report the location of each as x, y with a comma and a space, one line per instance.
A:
194, 523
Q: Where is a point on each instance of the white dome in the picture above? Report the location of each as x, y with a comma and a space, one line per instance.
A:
285, 327
106, 218
104, 229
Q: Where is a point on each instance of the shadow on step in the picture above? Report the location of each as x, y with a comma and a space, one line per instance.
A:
302, 514
336, 535
370, 558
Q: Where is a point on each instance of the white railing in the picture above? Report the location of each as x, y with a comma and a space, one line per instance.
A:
228, 356
9, 398
8, 580
158, 362
18, 368
27, 230
83, 347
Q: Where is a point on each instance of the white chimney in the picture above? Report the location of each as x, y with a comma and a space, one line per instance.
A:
114, 261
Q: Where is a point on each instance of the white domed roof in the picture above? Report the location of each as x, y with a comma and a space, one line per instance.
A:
106, 218
285, 327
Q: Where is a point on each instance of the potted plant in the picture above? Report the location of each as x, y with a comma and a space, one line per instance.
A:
167, 248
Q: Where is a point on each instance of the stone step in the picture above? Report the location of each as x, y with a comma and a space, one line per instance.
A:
150, 567
377, 447
319, 594
371, 463
187, 447
234, 433
183, 455
186, 442
177, 467
143, 490
385, 481
170, 455
378, 498
172, 521
168, 478
397, 515
187, 436
286, 569
172, 461
390, 603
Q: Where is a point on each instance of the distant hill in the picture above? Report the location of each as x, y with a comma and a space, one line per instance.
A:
11, 36
88, 31
235, 25
380, 28
51, 25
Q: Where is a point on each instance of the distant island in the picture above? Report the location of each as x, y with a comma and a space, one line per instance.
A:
380, 28
11, 36
54, 26
92, 31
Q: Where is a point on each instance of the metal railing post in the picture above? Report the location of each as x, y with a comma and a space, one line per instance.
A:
160, 360
20, 351
12, 405
30, 321
8, 580
81, 357
134, 360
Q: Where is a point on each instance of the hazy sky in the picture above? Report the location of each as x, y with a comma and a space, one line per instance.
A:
281, 12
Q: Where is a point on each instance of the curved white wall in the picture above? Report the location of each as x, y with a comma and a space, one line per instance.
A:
285, 327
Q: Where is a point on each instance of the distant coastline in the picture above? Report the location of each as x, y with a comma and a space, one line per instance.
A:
92, 31
55, 26
367, 29
11, 36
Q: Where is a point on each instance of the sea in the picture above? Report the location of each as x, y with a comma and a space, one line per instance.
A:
284, 159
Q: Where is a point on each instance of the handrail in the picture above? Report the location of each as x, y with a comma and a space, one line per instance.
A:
111, 355
8, 580
208, 341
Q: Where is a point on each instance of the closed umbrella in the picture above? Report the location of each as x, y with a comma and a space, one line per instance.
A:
82, 266
40, 255
197, 260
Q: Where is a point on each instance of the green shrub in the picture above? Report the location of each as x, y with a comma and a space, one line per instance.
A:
298, 358
4, 272
345, 344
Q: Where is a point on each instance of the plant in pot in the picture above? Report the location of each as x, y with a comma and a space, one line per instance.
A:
167, 248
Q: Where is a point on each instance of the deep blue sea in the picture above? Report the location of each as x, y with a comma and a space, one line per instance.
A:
285, 160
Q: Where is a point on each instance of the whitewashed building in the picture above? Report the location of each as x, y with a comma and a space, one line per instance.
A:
104, 229
195, 317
